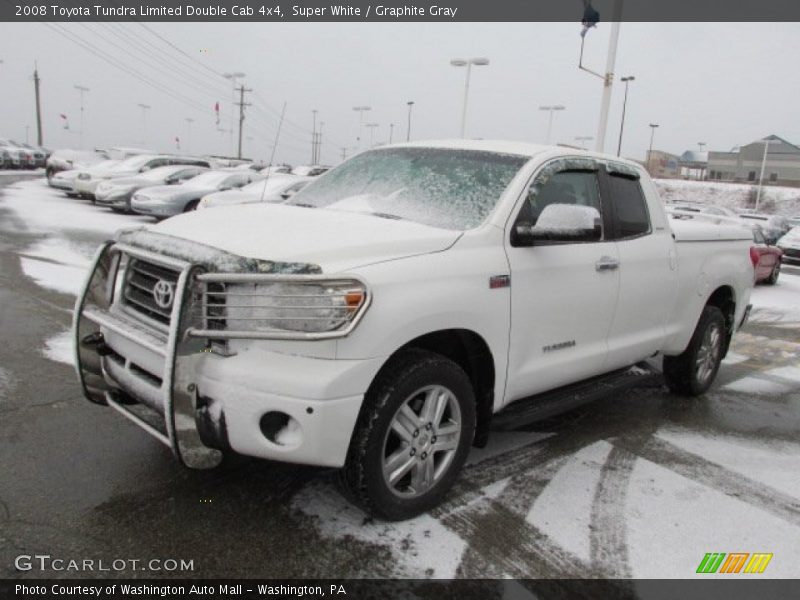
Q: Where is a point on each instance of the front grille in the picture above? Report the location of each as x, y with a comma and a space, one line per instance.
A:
215, 300
150, 289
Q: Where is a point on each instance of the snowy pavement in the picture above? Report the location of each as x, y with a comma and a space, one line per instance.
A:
641, 485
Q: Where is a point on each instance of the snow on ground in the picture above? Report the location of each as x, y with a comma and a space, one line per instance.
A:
778, 303
736, 196
45, 210
60, 348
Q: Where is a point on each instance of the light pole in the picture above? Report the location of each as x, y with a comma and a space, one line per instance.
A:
460, 62
189, 122
650, 151
391, 132
314, 137
361, 110
145, 108
319, 143
81, 90
372, 127
232, 77
761, 177
583, 139
701, 144
551, 109
626, 81
410, 104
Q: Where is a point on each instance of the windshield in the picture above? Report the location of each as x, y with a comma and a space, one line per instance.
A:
134, 162
446, 188
272, 185
161, 173
208, 180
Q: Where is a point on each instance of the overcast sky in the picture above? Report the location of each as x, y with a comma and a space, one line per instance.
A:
723, 84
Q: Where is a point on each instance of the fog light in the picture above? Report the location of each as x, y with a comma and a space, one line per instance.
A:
281, 429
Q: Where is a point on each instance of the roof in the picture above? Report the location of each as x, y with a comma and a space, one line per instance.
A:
512, 147
777, 145
694, 156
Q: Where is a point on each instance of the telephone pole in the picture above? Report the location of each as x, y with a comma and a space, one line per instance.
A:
242, 104
314, 137
38, 105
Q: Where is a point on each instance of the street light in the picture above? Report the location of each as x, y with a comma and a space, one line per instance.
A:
460, 62
410, 104
650, 151
361, 110
232, 77
763, 165
583, 139
372, 127
551, 109
81, 89
145, 108
626, 81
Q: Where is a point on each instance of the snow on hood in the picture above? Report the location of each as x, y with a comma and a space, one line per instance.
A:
336, 241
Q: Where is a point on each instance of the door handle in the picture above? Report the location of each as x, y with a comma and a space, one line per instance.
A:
606, 263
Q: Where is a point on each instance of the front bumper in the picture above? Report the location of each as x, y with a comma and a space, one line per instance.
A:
200, 403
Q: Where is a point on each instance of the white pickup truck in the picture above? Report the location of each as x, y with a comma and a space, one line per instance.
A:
378, 320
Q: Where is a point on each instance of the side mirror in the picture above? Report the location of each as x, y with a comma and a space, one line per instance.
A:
560, 223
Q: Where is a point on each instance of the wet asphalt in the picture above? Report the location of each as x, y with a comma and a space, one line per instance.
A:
77, 481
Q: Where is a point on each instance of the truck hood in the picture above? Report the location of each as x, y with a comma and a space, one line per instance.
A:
336, 241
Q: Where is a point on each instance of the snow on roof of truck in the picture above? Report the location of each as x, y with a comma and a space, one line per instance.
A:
512, 147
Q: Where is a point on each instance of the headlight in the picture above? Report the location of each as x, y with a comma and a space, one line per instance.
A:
305, 307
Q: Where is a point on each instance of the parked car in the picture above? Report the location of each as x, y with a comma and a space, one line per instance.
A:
389, 313
67, 160
66, 180
276, 188
309, 170
19, 157
5, 158
38, 154
766, 258
117, 193
87, 181
790, 244
773, 226
168, 200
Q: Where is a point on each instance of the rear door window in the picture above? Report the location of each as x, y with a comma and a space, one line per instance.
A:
631, 218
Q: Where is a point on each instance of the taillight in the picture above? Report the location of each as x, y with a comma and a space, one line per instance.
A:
754, 256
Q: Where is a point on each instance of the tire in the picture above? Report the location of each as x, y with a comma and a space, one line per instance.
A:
190, 206
773, 277
692, 372
414, 381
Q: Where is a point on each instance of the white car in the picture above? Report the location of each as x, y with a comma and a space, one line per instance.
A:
275, 188
389, 313
66, 180
310, 170
67, 160
790, 244
117, 193
88, 180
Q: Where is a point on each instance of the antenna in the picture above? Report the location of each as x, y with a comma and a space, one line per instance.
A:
272, 156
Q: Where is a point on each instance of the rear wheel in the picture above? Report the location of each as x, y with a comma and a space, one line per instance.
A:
692, 372
773, 277
412, 436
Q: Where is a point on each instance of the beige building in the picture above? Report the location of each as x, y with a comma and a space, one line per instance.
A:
663, 165
743, 164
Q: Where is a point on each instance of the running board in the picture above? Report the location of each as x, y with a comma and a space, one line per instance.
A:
542, 406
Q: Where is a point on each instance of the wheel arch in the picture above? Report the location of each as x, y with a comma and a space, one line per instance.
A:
469, 351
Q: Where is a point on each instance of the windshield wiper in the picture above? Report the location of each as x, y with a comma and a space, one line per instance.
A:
384, 215
304, 205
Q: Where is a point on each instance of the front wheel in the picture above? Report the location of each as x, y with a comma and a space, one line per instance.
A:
190, 206
412, 436
692, 372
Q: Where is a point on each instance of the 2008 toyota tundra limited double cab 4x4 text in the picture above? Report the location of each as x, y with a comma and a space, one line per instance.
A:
380, 318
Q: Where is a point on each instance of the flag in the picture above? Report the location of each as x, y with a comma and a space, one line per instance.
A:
66, 121
590, 17
216, 110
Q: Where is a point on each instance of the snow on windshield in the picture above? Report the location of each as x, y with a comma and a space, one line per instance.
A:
161, 173
210, 180
446, 188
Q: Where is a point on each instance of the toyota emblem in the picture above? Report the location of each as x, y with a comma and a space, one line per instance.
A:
164, 293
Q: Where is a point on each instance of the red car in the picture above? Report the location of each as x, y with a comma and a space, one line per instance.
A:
766, 259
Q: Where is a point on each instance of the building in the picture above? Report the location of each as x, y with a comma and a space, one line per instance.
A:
743, 164
694, 164
663, 165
